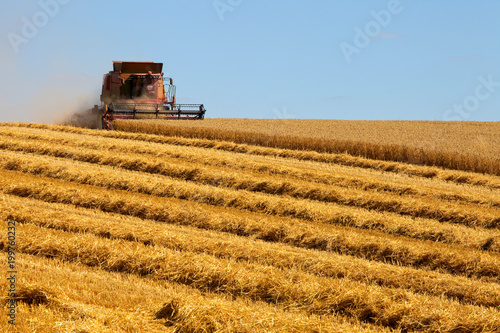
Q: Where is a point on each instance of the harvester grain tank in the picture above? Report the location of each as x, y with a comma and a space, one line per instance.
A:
138, 89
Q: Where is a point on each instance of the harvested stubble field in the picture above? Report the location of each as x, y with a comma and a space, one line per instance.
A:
469, 146
192, 227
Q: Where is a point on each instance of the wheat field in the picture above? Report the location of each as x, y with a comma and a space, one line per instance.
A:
241, 226
469, 146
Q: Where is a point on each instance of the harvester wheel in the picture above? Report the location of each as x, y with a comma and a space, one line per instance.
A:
107, 123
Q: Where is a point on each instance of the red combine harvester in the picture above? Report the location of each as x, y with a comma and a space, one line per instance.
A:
137, 89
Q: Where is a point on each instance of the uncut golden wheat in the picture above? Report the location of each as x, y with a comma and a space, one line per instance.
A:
429, 143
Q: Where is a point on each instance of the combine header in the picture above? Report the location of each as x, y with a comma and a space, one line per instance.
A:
138, 90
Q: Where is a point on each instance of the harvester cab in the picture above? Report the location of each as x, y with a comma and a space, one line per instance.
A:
139, 90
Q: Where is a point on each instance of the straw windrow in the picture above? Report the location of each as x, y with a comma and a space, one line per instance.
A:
195, 234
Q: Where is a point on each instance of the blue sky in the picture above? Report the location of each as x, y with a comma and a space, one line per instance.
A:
387, 60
